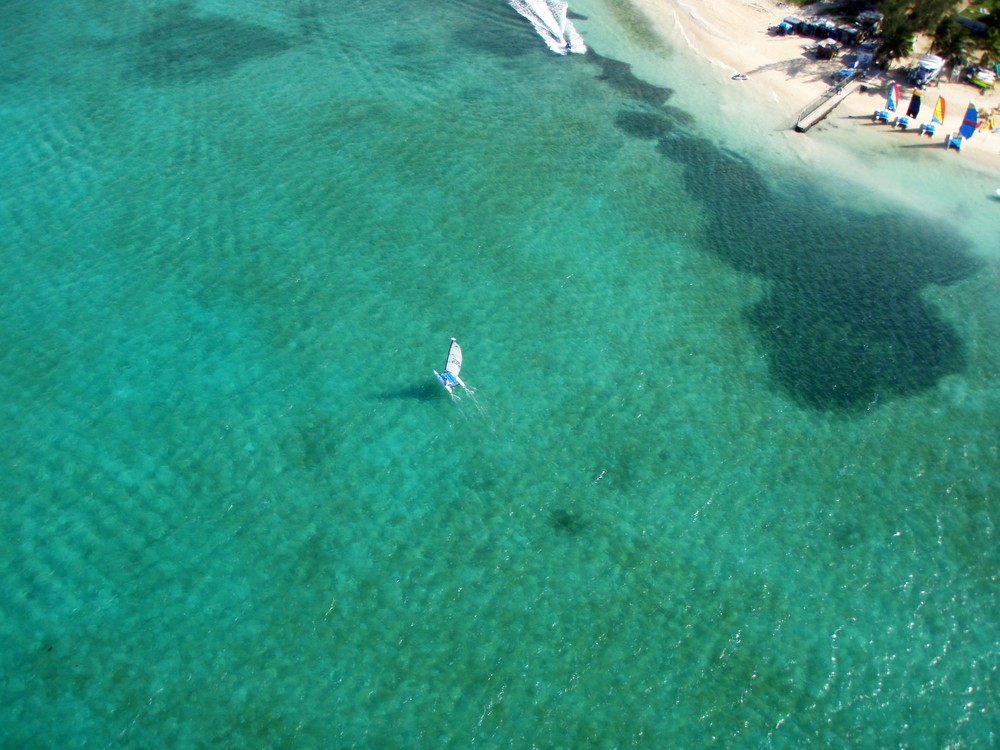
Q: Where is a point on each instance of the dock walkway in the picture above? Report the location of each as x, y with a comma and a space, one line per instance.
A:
819, 108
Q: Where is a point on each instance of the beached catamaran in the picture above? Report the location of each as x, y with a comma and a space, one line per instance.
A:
891, 103
969, 126
911, 112
930, 128
449, 378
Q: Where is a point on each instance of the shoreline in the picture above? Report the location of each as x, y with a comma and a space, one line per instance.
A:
694, 47
734, 36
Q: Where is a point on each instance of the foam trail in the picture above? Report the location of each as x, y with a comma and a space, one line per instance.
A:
483, 414
551, 20
471, 409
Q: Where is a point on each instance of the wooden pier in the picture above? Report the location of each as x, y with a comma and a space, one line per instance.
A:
824, 105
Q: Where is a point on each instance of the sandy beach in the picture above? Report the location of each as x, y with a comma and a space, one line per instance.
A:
694, 48
733, 37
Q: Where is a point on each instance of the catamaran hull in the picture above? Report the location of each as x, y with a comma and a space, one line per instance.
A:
449, 378
449, 381
444, 384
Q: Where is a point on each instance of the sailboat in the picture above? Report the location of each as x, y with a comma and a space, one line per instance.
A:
891, 102
969, 126
930, 128
449, 378
911, 112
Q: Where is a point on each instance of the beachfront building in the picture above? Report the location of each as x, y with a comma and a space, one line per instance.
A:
866, 53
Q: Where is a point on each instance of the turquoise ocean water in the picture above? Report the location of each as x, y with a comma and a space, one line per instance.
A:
729, 477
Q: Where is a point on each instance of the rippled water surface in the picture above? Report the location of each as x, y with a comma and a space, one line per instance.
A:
728, 478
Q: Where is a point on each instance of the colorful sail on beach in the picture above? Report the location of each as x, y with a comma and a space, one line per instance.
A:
970, 123
939, 111
930, 128
914, 109
893, 100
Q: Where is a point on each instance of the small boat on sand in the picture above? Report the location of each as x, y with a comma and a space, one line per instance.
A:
891, 104
969, 126
930, 128
912, 111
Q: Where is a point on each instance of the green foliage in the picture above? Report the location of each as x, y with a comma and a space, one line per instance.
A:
926, 14
906, 18
897, 30
992, 15
990, 48
952, 41
849, 9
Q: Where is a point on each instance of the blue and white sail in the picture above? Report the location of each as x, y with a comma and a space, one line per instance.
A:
970, 123
891, 103
550, 18
449, 378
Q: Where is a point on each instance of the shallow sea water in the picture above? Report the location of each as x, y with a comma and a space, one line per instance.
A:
728, 477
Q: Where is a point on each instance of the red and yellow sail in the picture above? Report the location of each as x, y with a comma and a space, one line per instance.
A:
939, 111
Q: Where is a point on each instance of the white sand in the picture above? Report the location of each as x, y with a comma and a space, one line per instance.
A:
732, 35
702, 43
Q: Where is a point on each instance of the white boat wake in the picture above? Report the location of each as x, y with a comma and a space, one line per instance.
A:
551, 20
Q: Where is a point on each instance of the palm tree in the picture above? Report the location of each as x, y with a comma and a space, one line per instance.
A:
953, 41
897, 30
925, 15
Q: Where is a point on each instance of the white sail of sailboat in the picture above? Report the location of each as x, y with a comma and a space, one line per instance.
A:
449, 378
550, 18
